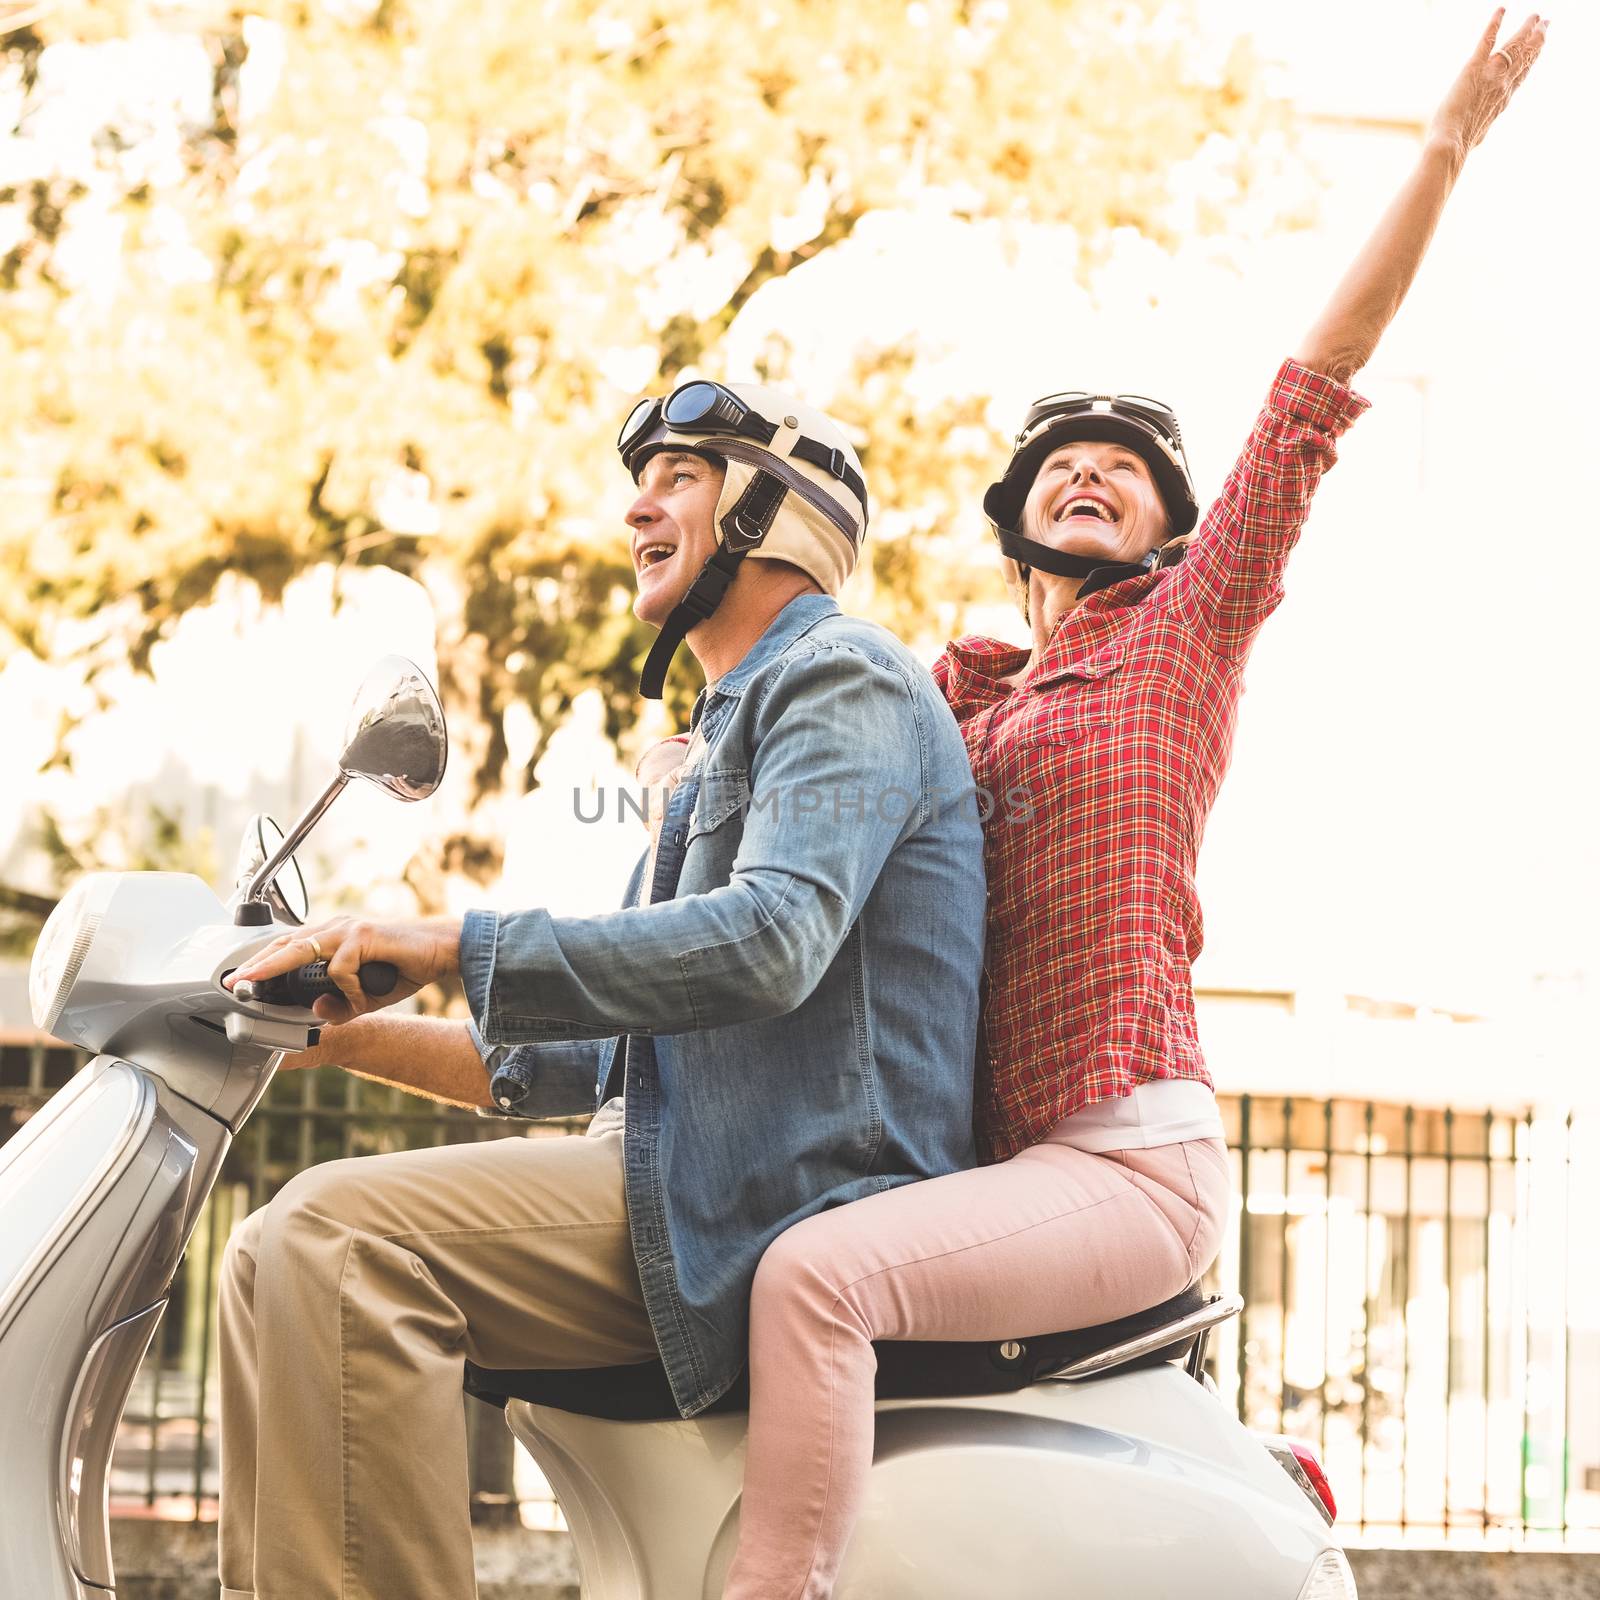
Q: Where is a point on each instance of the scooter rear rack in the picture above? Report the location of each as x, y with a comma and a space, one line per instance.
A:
1158, 1342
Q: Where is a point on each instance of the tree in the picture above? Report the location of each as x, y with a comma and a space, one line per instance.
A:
384, 298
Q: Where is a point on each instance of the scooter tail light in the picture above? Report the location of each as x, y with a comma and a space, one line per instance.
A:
1330, 1579
1300, 1462
1319, 1479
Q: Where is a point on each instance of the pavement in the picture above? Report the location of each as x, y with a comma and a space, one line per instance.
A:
178, 1561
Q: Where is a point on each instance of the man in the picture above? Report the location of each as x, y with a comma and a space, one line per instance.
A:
786, 1016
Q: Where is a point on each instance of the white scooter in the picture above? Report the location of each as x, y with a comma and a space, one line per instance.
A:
1091, 1463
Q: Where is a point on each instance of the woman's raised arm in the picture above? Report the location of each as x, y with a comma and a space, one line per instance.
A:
1345, 335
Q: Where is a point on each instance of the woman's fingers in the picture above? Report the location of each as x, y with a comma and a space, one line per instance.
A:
1487, 82
662, 758
1519, 50
1524, 49
1486, 43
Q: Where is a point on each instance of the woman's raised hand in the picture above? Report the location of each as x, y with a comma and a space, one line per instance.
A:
1486, 84
1342, 339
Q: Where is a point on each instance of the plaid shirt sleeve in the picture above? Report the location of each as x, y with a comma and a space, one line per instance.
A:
1231, 579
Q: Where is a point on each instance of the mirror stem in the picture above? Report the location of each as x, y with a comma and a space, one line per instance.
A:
313, 815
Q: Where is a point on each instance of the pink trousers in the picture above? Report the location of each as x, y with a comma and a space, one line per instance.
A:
1054, 1238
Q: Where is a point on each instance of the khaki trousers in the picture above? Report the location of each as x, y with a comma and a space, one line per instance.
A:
348, 1306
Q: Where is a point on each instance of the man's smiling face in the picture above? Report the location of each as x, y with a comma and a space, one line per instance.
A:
1097, 499
673, 529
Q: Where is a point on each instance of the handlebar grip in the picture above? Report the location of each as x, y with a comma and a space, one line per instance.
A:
377, 978
311, 982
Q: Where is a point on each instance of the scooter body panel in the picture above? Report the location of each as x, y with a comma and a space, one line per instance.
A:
1104, 1490
148, 988
56, 1171
100, 1191
1036, 1504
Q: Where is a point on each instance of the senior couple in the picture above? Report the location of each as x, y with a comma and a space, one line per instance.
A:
781, 1025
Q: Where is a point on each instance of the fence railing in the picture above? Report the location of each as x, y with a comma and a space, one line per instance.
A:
1416, 1304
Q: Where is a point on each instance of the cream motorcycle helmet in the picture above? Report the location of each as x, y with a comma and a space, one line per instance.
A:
793, 492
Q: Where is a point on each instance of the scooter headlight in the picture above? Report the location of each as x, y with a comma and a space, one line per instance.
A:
59, 955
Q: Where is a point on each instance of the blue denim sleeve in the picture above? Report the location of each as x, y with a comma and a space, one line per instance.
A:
559, 1079
837, 778
555, 1078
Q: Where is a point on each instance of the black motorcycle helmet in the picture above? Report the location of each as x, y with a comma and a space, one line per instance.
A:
1145, 426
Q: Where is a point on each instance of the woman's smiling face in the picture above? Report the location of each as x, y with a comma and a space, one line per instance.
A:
1094, 498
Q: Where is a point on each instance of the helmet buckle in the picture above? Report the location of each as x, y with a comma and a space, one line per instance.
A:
701, 604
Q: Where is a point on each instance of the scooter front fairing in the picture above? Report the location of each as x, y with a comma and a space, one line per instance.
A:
101, 1189
100, 1192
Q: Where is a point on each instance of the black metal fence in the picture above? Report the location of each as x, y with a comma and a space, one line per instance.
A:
1416, 1303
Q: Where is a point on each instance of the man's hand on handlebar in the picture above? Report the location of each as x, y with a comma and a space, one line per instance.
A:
420, 952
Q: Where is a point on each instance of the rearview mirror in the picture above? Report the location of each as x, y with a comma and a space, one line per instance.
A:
395, 736
286, 894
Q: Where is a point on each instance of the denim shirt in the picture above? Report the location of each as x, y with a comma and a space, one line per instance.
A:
793, 1014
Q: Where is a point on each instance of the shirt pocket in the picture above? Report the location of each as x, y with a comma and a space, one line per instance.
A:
1083, 698
724, 794
715, 830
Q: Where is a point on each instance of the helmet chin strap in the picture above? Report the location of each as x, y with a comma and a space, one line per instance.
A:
1095, 571
746, 524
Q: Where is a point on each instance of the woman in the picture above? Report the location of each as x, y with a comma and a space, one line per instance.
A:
1105, 1158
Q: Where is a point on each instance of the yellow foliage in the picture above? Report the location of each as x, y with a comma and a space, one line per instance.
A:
422, 248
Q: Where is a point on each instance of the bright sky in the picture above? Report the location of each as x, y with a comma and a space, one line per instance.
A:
1411, 808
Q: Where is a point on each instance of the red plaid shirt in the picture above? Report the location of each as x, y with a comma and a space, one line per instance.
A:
1120, 737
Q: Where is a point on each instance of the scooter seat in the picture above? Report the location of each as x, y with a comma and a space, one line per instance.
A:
907, 1370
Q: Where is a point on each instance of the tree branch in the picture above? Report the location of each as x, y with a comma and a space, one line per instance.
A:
686, 348
25, 903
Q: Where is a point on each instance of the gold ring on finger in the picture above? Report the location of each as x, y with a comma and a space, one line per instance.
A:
316, 949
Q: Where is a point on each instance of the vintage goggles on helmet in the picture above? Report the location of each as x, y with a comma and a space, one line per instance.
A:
1155, 414
703, 408
699, 407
